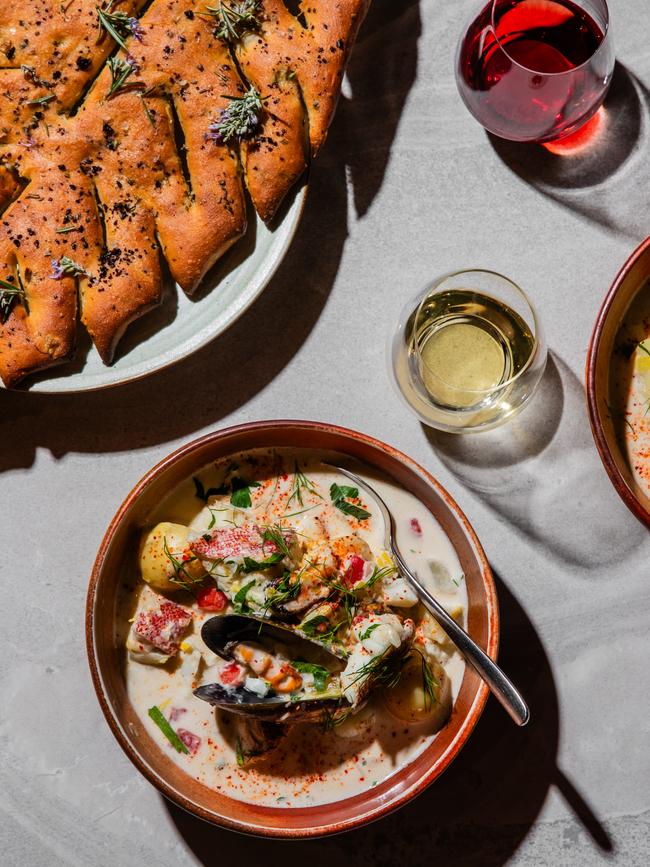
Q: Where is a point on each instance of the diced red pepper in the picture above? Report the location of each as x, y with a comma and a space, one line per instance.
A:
211, 599
354, 572
415, 526
231, 674
191, 741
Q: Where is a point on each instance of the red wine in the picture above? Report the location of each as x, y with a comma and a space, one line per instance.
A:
531, 70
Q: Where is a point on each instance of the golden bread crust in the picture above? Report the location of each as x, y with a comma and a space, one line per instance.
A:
99, 177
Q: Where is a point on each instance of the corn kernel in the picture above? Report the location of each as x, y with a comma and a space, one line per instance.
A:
186, 647
384, 559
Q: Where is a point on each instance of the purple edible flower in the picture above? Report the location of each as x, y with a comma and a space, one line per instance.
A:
136, 29
57, 270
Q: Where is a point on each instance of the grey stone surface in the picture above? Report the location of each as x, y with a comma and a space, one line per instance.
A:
407, 187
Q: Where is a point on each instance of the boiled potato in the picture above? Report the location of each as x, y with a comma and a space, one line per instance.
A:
156, 567
410, 701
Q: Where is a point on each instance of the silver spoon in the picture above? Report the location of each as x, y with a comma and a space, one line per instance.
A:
501, 686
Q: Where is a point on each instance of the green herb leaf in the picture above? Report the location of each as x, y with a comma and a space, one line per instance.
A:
42, 100
235, 19
251, 565
181, 576
157, 716
282, 591
300, 483
241, 492
239, 120
275, 535
310, 627
641, 345
430, 684
241, 755
368, 632
240, 597
120, 71
321, 675
9, 295
340, 494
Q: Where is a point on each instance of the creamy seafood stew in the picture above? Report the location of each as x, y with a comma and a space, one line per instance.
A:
351, 678
629, 386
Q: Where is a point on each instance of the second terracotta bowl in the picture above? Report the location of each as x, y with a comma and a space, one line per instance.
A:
106, 661
631, 279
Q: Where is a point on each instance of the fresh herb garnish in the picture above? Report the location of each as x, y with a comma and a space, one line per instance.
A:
235, 19
157, 716
67, 267
239, 120
119, 25
251, 565
239, 601
9, 295
202, 494
282, 592
379, 573
641, 345
65, 229
429, 684
340, 494
385, 669
321, 675
458, 581
181, 575
331, 719
274, 534
300, 483
241, 755
42, 100
241, 492
147, 110
120, 71
368, 632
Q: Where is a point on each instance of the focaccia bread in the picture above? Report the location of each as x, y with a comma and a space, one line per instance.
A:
130, 132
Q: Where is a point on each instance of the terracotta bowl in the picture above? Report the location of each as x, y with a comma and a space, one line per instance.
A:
632, 277
105, 658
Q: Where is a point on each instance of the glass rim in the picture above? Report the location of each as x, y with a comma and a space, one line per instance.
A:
537, 341
571, 71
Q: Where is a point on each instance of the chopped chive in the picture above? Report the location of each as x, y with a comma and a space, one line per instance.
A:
157, 716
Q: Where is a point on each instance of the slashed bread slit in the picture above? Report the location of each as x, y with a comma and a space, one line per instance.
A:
129, 132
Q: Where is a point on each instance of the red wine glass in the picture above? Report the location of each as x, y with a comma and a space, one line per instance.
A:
536, 70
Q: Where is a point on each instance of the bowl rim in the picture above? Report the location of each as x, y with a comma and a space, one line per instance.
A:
619, 482
363, 817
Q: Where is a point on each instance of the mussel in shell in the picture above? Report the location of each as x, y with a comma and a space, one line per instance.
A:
294, 679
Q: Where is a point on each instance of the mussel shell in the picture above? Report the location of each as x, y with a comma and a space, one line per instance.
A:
222, 633
277, 708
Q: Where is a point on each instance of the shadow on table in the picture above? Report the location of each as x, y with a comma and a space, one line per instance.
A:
478, 813
224, 376
541, 472
606, 178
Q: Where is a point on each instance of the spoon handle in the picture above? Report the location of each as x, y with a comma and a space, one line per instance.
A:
501, 686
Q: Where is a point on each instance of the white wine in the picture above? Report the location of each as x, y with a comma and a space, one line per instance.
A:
468, 344
468, 352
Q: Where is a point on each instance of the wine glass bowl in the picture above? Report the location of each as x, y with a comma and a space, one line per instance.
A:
536, 70
468, 352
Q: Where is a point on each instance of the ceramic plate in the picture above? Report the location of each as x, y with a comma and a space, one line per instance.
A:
181, 325
618, 383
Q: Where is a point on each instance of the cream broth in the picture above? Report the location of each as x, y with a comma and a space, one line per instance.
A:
310, 766
629, 387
